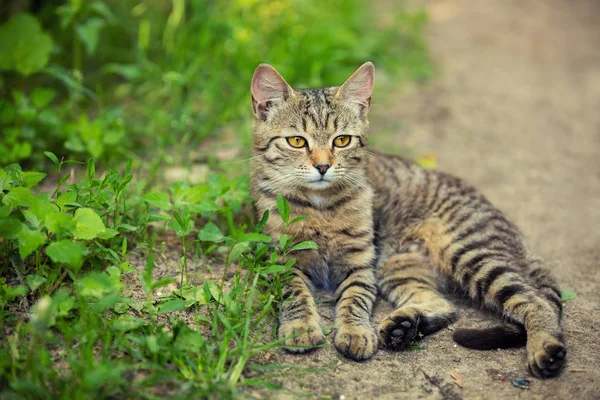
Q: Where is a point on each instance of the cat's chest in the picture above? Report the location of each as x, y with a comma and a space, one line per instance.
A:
335, 231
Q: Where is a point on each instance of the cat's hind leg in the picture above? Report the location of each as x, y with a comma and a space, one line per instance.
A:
524, 291
407, 280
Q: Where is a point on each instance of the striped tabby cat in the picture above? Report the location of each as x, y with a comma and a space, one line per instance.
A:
385, 225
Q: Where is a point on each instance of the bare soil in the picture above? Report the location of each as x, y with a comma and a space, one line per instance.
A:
515, 110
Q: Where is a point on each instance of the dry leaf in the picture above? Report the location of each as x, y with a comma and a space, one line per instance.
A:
427, 161
457, 378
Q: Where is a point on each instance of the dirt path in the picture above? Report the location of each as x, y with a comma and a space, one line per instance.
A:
516, 111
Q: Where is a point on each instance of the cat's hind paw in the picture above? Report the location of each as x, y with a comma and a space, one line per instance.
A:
546, 358
397, 331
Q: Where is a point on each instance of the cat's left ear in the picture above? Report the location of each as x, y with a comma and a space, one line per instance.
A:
268, 87
356, 91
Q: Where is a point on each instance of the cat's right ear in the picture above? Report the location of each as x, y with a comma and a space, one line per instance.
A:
268, 88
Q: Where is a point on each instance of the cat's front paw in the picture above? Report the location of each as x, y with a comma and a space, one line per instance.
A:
546, 356
300, 336
357, 342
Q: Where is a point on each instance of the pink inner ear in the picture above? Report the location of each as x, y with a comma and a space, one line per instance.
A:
267, 84
359, 87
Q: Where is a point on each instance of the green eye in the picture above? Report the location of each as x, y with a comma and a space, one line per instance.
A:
342, 141
296, 141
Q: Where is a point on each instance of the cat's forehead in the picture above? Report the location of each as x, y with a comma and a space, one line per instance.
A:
317, 99
318, 111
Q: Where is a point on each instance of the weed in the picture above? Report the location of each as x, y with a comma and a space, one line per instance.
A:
85, 337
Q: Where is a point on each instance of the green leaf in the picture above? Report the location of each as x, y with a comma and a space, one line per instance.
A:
64, 306
34, 281
567, 294
254, 237
32, 178
89, 33
91, 164
152, 344
273, 269
263, 221
162, 282
308, 245
297, 219
5, 181
158, 200
155, 217
24, 47
108, 233
126, 322
59, 222
171, 305
94, 284
210, 233
29, 241
283, 239
87, 224
52, 157
38, 210
237, 250
193, 196
127, 228
41, 97
12, 292
66, 252
65, 199
9, 227
181, 231
283, 206
18, 196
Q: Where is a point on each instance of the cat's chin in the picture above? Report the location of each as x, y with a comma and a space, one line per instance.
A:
319, 184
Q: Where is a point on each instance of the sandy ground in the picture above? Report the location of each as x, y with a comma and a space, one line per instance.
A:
516, 111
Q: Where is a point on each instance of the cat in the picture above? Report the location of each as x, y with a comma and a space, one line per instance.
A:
386, 226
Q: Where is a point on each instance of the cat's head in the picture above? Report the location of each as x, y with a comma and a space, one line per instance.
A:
312, 139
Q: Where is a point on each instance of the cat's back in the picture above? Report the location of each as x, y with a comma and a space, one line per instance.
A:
406, 192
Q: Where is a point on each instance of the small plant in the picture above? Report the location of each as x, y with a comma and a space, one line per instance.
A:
68, 254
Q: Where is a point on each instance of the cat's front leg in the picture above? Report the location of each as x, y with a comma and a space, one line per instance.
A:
355, 337
299, 319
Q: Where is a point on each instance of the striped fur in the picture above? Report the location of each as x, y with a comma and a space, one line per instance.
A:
384, 224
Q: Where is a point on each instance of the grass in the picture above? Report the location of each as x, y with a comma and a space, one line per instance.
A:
115, 282
85, 337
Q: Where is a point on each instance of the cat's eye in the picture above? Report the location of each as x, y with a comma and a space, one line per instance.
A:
296, 141
342, 141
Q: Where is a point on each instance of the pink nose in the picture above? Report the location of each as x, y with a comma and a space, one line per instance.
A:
322, 168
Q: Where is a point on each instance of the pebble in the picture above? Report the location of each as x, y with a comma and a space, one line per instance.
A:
521, 383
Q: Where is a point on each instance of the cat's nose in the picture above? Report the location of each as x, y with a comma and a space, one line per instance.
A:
322, 168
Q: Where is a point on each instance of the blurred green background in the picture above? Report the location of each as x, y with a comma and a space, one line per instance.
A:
119, 79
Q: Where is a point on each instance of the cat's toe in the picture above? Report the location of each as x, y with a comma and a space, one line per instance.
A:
301, 336
356, 342
549, 359
397, 332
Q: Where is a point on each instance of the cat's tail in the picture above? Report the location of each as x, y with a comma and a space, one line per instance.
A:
498, 337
